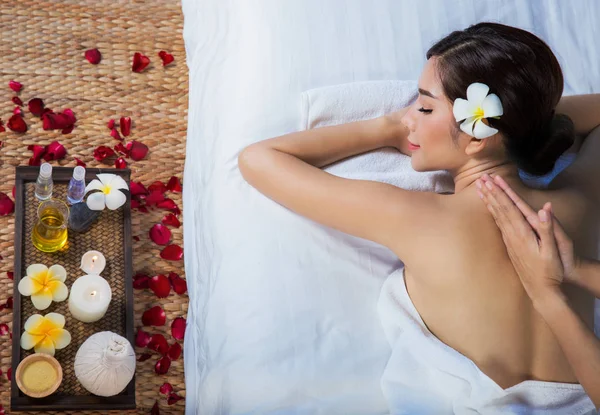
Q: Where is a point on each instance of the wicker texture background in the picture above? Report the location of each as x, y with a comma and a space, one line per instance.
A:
43, 45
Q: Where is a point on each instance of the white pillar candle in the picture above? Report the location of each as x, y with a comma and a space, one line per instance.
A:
93, 262
89, 298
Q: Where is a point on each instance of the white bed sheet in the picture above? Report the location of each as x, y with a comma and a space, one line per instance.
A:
282, 316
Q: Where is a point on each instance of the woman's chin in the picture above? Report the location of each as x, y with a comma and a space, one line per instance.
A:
416, 165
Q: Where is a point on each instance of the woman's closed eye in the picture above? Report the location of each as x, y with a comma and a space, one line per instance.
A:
425, 111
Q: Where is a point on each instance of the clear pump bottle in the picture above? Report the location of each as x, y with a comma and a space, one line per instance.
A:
76, 189
44, 184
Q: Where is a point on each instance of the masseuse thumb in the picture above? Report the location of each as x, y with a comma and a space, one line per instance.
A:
546, 232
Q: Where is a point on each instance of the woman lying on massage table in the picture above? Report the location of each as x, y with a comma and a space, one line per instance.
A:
457, 271
543, 256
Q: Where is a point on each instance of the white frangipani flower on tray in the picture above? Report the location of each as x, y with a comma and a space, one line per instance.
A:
475, 108
109, 192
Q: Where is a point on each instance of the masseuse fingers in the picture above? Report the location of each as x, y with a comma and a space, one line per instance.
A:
548, 247
526, 210
506, 211
563, 242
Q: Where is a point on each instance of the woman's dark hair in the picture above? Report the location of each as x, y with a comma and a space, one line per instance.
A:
522, 70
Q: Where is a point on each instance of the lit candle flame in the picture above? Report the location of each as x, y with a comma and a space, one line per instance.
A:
93, 293
94, 258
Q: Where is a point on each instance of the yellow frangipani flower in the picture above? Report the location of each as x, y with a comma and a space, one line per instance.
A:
45, 333
44, 285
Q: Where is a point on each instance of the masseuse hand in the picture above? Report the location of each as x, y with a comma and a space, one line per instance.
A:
540, 250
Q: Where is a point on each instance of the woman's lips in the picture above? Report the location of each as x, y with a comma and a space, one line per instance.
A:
413, 147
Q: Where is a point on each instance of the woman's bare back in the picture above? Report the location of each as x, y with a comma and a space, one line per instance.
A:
462, 282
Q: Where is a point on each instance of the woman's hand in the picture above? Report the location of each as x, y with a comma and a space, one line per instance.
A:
399, 131
539, 261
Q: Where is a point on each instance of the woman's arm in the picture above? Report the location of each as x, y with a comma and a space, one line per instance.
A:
286, 169
540, 268
579, 344
584, 110
587, 276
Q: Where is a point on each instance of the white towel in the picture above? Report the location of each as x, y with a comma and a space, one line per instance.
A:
340, 104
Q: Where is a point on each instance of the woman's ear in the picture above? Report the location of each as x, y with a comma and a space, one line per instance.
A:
476, 146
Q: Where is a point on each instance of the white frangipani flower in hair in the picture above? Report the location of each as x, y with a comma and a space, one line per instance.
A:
475, 108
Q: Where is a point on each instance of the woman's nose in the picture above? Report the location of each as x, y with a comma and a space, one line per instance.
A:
408, 121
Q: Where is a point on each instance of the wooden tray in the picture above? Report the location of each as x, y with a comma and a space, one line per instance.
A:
111, 235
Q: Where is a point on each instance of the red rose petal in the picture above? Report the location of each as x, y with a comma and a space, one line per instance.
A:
125, 124
68, 130
102, 152
93, 56
15, 86
38, 152
2, 412
160, 285
139, 62
110, 124
178, 328
160, 234
141, 281
79, 162
17, 101
2, 129
167, 58
36, 106
142, 338
174, 351
166, 204
144, 357
10, 275
18, 111
120, 163
159, 344
154, 198
17, 124
14, 192
162, 366
154, 316
171, 220
55, 151
136, 238
137, 188
4, 329
178, 283
174, 184
114, 133
9, 302
173, 398
9, 373
172, 253
70, 114
58, 121
166, 388
157, 186
137, 150
6, 205
155, 410
143, 209
120, 148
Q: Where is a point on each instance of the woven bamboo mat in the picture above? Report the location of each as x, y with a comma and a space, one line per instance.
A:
43, 45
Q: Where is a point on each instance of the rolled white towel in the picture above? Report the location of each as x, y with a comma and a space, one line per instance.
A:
340, 104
